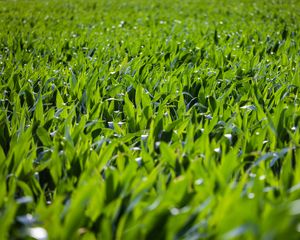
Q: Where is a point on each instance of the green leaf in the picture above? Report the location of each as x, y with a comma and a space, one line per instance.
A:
44, 136
168, 154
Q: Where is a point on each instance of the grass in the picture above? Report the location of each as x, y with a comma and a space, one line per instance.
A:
149, 119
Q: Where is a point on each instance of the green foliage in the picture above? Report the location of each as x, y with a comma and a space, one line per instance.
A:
149, 119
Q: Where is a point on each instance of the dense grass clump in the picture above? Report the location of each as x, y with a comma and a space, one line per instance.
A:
149, 119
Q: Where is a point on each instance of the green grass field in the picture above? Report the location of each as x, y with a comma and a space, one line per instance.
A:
149, 120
